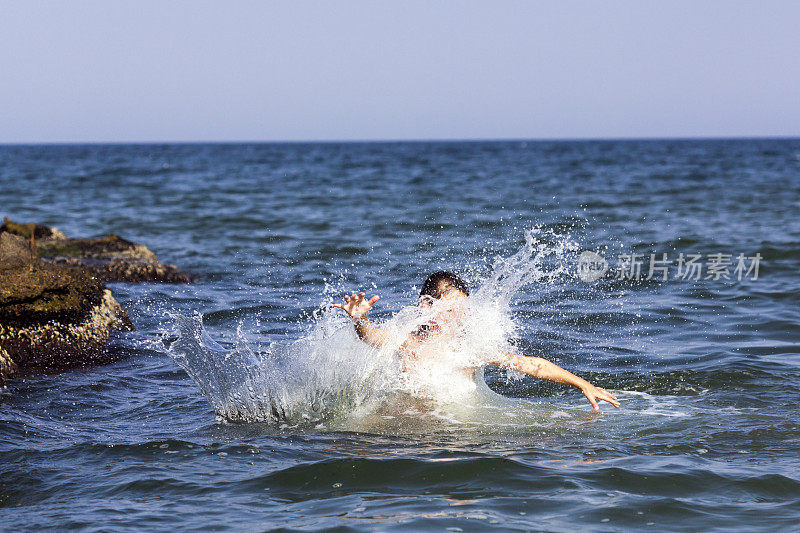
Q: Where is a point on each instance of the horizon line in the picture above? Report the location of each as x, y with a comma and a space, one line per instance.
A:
410, 140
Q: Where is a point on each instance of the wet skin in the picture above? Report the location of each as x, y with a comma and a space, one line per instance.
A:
430, 344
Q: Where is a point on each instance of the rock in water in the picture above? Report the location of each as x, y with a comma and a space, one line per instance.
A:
51, 316
25, 230
109, 258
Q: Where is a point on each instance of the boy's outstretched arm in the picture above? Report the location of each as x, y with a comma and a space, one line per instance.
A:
356, 306
544, 369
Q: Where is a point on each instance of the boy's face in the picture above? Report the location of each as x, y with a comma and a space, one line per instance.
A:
449, 294
449, 304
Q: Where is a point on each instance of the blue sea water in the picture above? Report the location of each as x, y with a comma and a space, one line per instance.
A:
707, 370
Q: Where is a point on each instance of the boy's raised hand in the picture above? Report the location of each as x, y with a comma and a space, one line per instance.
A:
356, 306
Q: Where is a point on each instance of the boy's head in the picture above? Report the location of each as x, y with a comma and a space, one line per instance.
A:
441, 283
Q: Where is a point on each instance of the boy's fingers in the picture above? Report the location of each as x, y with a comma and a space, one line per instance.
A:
593, 402
610, 398
374, 299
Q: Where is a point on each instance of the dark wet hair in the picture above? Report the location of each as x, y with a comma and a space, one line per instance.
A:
437, 284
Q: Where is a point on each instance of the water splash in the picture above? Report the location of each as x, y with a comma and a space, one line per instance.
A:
323, 375
330, 378
545, 257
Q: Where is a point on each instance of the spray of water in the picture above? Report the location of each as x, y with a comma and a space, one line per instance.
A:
330, 378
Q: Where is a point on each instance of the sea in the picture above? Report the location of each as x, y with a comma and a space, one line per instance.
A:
664, 271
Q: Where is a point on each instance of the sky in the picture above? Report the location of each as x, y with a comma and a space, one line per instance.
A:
140, 71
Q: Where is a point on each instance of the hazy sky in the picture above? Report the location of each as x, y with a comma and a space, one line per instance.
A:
184, 71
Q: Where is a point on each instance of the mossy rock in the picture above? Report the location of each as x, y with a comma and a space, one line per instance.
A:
111, 247
54, 317
14, 251
30, 228
109, 259
42, 292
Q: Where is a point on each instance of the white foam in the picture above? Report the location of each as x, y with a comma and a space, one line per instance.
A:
330, 376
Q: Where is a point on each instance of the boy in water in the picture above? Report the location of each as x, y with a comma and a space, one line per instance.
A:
446, 289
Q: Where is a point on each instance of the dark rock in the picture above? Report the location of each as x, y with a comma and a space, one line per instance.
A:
55, 311
24, 230
52, 316
112, 258
14, 251
109, 258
